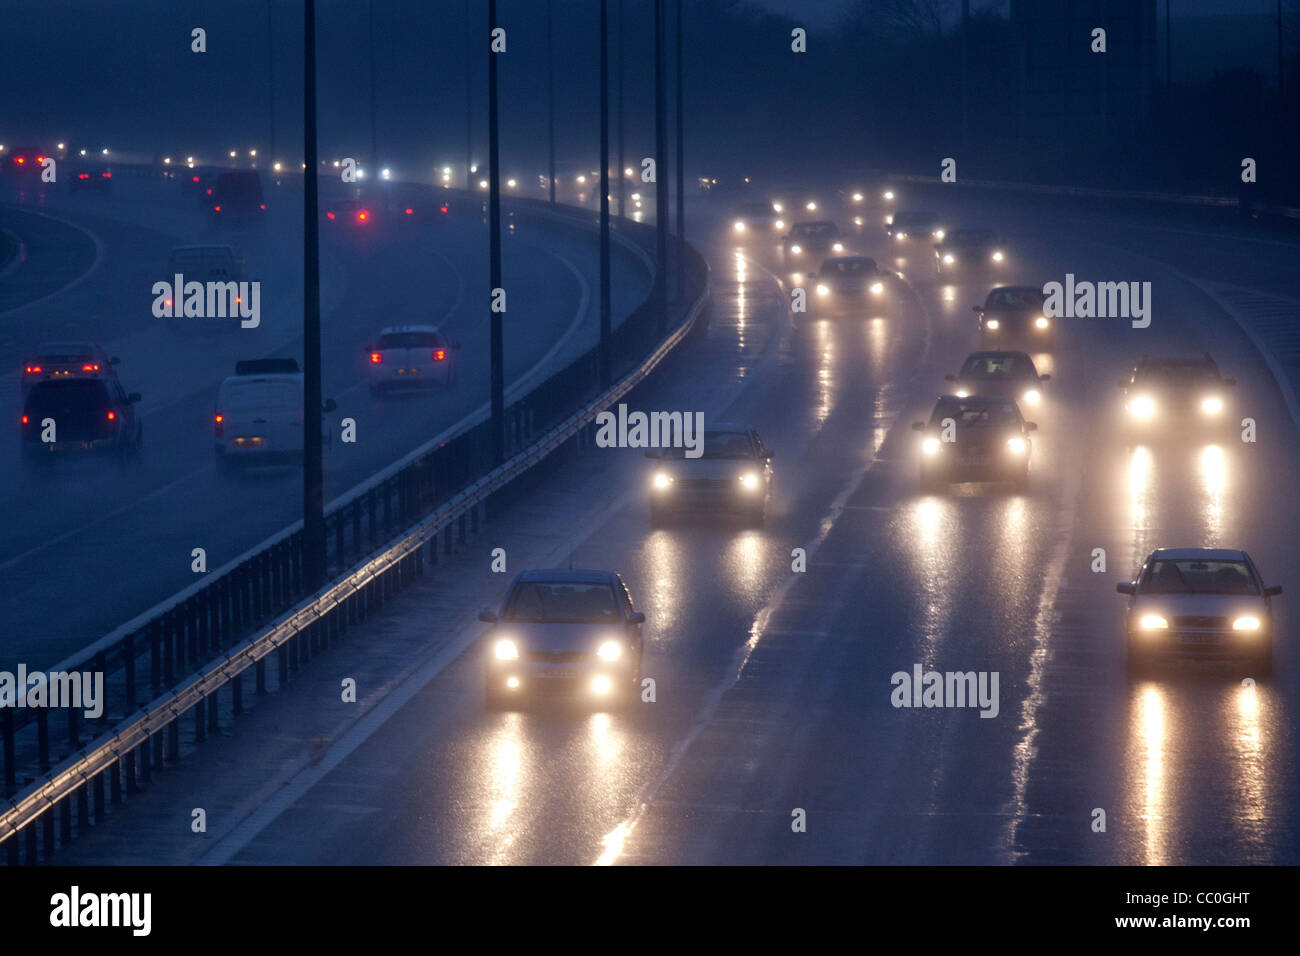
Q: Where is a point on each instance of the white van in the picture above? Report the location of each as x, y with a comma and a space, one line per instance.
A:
259, 416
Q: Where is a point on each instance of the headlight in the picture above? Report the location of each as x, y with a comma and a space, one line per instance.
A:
776, 207
610, 651
930, 446
811, 206
997, 256
838, 247
662, 479
877, 288
779, 224
740, 226
962, 393
888, 194
823, 289
506, 650
993, 324
1212, 405
948, 259
1152, 622
750, 481
1032, 396
1016, 445
601, 684
1142, 407
900, 236
857, 197
1248, 623
1041, 322
939, 234
796, 250
889, 220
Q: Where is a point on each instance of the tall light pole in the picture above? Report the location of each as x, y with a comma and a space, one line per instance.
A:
550, 101
313, 485
374, 139
681, 191
469, 101
605, 370
661, 181
622, 179
270, 81
494, 253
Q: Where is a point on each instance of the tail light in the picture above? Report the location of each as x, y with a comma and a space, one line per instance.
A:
439, 354
33, 370
20, 160
195, 179
209, 190
83, 176
107, 175
444, 208
216, 209
262, 206
220, 425
410, 212
363, 215
376, 358
112, 416
24, 419
329, 215
90, 368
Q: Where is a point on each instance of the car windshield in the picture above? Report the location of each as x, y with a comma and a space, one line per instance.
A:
996, 366
562, 601
978, 413
718, 445
815, 230
410, 340
1015, 299
1176, 374
848, 267
1193, 576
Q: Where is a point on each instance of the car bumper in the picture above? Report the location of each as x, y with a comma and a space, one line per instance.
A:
1197, 645
410, 377
993, 469
587, 679
706, 499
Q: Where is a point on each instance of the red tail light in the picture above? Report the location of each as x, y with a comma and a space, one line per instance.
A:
90, 368
112, 416
40, 159
33, 370
217, 208
439, 354
84, 176
363, 215
444, 208
220, 425
410, 212
195, 179
209, 190
20, 160
377, 358
107, 175
24, 419
329, 215
263, 206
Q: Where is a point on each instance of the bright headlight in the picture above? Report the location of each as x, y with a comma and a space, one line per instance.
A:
1248, 623
992, 324
948, 259
506, 650
662, 479
1142, 407
930, 446
1212, 405
740, 226
997, 256
888, 194
1032, 396
877, 288
776, 207
796, 250
601, 684
610, 651
811, 206
823, 289
889, 220
779, 224
857, 197
838, 247
962, 393
900, 236
1016, 445
1041, 322
750, 481
1152, 622
939, 234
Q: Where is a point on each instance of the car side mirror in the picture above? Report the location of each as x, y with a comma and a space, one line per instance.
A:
1125, 588
487, 617
950, 378
1031, 426
133, 398
636, 617
918, 426
1229, 381
330, 405
1045, 378
1273, 590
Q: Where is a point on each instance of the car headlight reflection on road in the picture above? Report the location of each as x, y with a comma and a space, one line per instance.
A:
877, 288
1032, 396
1152, 622
993, 324
1248, 623
1142, 407
1016, 446
1212, 405
601, 685
662, 480
749, 481
1041, 322
823, 290
610, 651
796, 250
997, 256
930, 446
505, 650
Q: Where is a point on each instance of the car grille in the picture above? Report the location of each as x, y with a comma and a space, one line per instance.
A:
1220, 623
556, 657
705, 483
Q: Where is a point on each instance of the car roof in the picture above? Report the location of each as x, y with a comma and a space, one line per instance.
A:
1191, 554
569, 575
394, 329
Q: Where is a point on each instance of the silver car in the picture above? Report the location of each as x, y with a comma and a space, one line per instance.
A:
1202, 603
732, 475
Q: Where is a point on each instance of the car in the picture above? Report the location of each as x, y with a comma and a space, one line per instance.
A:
351, 212
968, 249
847, 284
999, 374
207, 189
910, 225
95, 176
976, 438
25, 162
755, 217
1199, 603
564, 632
65, 360
197, 179
412, 356
80, 415
211, 262
733, 474
258, 419
237, 197
420, 210
1013, 315
1169, 396
809, 238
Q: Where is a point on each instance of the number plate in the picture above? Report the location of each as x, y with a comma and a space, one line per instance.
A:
559, 673
1199, 639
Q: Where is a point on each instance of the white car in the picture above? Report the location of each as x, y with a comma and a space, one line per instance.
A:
1204, 603
411, 356
259, 415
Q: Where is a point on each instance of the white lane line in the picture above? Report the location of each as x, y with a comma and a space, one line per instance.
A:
94, 266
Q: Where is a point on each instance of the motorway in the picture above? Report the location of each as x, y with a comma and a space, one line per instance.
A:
773, 687
91, 261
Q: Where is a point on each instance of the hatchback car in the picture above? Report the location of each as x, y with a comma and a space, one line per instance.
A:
1012, 316
732, 475
1201, 603
62, 416
411, 356
64, 360
974, 439
1174, 396
999, 374
847, 285
564, 632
